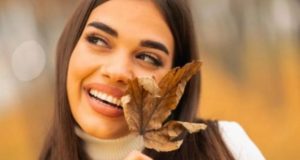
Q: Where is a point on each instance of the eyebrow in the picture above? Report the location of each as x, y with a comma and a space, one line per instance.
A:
154, 45
144, 43
104, 27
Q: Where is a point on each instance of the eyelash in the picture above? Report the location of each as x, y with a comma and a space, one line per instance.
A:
155, 61
94, 39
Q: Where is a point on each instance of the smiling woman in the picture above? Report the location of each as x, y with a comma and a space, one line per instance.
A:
106, 44
110, 51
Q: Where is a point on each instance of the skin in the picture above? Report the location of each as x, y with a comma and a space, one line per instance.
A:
136, 155
102, 57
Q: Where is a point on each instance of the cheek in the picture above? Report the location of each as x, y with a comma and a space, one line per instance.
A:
164, 70
158, 73
81, 65
159, 76
73, 79
76, 69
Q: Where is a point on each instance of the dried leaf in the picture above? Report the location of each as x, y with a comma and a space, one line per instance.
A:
163, 139
172, 87
149, 85
150, 104
133, 106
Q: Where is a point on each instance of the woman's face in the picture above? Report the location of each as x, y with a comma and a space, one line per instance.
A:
121, 40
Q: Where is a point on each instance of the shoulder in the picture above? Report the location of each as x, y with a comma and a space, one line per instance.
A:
238, 142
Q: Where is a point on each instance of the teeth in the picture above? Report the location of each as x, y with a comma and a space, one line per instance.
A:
106, 97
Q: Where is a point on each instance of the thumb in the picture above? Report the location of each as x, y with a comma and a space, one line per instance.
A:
136, 155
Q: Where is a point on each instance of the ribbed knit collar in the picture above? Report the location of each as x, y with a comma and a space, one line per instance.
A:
109, 149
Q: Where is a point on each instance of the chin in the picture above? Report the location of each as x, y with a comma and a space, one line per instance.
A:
103, 128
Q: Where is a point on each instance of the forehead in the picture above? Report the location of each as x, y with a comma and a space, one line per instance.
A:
134, 18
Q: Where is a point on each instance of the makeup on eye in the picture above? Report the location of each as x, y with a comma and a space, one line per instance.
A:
97, 40
150, 58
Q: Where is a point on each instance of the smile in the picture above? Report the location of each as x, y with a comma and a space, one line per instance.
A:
106, 98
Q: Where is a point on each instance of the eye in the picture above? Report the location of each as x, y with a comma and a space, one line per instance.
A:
150, 59
97, 41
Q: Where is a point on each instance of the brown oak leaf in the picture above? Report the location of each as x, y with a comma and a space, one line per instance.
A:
147, 105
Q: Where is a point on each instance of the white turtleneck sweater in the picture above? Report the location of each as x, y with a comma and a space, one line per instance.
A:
110, 149
232, 133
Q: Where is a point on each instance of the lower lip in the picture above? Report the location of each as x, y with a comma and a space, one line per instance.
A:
103, 108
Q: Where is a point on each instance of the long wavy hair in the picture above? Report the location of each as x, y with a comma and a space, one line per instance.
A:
62, 143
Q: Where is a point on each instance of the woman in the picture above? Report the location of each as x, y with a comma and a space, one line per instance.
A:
107, 43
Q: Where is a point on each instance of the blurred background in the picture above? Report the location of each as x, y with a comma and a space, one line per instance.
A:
251, 55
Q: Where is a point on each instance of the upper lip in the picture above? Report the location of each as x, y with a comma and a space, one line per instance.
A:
108, 89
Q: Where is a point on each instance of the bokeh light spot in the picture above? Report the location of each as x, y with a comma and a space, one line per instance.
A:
28, 61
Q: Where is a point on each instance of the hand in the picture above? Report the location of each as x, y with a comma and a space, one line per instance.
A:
136, 155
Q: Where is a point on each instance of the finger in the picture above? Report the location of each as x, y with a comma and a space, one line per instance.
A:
136, 155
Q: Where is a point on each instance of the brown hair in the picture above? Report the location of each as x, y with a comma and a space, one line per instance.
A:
62, 143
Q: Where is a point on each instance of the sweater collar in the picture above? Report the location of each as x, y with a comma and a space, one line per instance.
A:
109, 149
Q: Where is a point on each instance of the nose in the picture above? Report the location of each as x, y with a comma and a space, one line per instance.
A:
117, 70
